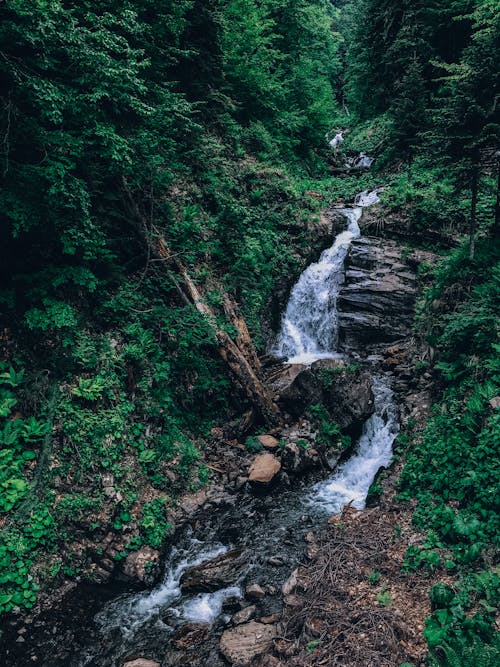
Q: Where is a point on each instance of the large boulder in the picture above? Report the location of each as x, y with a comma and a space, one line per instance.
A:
213, 574
264, 469
240, 645
346, 393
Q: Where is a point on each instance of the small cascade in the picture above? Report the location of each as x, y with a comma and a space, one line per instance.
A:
352, 479
359, 162
158, 610
367, 197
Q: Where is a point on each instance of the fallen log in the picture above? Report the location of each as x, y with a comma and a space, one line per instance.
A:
233, 356
239, 355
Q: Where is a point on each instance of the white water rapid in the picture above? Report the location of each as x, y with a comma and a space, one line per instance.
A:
353, 478
309, 328
130, 616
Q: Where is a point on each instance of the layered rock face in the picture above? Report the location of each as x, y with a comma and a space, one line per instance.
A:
376, 303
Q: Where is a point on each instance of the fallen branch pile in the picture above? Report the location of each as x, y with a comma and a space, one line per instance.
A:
353, 606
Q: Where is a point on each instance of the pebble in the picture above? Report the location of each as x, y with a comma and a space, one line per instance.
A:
254, 592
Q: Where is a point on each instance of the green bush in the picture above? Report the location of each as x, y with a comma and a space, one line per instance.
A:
154, 524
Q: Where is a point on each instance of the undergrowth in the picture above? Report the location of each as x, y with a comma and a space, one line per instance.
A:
453, 468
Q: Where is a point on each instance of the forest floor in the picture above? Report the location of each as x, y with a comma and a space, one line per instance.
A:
354, 605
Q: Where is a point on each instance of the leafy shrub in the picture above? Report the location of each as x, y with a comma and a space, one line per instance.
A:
154, 524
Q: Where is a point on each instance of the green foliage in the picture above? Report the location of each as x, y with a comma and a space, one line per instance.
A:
253, 445
18, 547
154, 523
17, 437
374, 578
452, 469
329, 432
454, 634
313, 645
384, 598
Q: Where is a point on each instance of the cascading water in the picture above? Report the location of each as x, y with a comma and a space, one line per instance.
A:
309, 332
352, 479
309, 328
133, 612
131, 617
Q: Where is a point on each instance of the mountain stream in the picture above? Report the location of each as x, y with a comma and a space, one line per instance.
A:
134, 623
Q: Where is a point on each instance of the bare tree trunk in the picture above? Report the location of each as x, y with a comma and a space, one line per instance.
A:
473, 209
240, 366
243, 339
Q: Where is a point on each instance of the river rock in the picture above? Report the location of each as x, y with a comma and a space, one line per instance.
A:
495, 402
291, 583
240, 645
255, 592
264, 469
142, 565
268, 441
244, 615
140, 662
291, 458
190, 635
213, 574
345, 393
276, 561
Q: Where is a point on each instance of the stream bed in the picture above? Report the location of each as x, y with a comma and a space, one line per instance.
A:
104, 626
270, 531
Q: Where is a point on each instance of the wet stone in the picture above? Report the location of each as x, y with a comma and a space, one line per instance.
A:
254, 592
276, 561
244, 615
140, 662
240, 645
213, 574
190, 635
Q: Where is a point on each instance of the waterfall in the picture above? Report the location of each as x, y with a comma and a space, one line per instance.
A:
309, 328
351, 481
